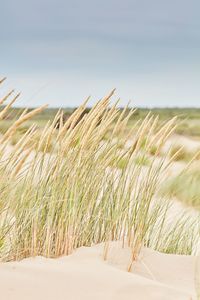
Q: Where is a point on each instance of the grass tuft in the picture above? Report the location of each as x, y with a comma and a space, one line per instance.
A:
69, 187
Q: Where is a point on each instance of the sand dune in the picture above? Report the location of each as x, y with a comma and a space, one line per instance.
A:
189, 143
85, 275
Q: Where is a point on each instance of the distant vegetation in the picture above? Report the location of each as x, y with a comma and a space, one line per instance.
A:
188, 118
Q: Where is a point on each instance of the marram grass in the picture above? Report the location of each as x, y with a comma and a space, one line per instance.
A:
63, 189
185, 187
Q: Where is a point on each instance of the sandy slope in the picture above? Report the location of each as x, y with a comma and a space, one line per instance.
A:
84, 275
189, 143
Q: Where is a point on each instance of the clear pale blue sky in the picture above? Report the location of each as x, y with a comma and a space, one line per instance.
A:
62, 51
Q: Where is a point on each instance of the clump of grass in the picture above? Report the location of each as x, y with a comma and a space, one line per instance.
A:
180, 235
74, 196
185, 187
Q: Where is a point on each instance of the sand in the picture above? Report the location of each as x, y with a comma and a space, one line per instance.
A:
84, 275
189, 143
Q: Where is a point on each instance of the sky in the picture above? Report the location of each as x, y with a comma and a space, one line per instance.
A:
60, 51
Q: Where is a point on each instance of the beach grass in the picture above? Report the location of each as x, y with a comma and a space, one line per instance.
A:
65, 188
185, 187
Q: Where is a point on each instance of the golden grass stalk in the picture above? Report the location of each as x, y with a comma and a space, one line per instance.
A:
21, 162
72, 120
8, 106
6, 97
21, 120
2, 80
